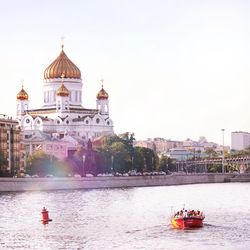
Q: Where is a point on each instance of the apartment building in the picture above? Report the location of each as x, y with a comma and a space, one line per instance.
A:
240, 140
10, 146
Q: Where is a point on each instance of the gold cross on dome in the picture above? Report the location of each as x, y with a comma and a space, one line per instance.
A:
102, 80
62, 39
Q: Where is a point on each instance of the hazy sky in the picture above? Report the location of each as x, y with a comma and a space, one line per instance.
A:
173, 69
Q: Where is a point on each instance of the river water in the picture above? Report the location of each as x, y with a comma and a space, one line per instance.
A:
126, 219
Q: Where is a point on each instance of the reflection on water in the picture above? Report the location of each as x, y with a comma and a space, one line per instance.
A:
133, 218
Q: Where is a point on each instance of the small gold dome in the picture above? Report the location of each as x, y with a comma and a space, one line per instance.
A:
102, 94
22, 95
62, 65
62, 91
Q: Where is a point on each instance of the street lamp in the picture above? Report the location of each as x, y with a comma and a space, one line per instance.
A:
112, 163
132, 162
83, 166
223, 152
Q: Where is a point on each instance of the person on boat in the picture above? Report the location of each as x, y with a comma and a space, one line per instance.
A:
185, 214
177, 215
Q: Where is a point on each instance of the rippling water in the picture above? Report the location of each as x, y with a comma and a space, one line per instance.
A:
133, 218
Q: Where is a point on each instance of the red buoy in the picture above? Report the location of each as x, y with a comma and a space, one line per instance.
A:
45, 216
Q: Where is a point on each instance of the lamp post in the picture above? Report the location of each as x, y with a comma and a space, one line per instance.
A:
223, 151
112, 164
83, 166
132, 162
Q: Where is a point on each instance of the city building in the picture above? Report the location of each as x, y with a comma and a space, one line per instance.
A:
62, 111
164, 145
179, 154
145, 144
180, 150
240, 140
10, 146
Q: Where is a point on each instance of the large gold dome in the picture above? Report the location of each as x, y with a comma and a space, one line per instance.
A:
22, 95
62, 65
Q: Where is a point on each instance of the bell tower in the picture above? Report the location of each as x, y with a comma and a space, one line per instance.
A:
22, 103
102, 102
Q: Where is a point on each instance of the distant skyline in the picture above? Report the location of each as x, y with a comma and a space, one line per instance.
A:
173, 69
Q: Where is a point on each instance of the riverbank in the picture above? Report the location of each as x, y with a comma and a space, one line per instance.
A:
239, 178
34, 184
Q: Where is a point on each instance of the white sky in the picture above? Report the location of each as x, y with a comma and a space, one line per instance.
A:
173, 69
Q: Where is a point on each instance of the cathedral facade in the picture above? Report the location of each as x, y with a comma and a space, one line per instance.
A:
62, 112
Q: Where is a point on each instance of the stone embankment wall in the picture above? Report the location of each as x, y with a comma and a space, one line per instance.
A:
239, 178
32, 184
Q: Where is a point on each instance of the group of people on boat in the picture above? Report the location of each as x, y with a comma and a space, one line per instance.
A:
184, 213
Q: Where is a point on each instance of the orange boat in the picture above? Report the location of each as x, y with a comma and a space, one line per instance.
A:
188, 220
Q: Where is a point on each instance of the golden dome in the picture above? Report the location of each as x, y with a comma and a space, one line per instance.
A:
62, 65
102, 94
22, 95
62, 91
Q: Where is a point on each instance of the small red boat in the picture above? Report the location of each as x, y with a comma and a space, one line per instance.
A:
188, 220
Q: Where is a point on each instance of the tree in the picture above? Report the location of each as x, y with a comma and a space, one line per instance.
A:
138, 161
166, 164
121, 157
211, 153
118, 154
41, 164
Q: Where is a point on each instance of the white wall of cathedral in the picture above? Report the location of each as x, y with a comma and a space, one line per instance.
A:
103, 106
51, 86
88, 128
62, 104
21, 107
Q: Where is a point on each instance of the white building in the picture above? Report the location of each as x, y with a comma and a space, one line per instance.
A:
62, 111
240, 140
179, 154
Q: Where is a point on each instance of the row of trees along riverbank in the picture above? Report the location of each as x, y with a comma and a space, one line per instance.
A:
113, 154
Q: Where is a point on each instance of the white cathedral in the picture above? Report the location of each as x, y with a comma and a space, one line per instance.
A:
62, 112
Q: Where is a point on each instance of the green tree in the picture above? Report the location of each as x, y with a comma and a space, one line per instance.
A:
102, 162
121, 157
41, 164
239, 153
138, 160
211, 153
117, 152
145, 160
166, 164
214, 168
